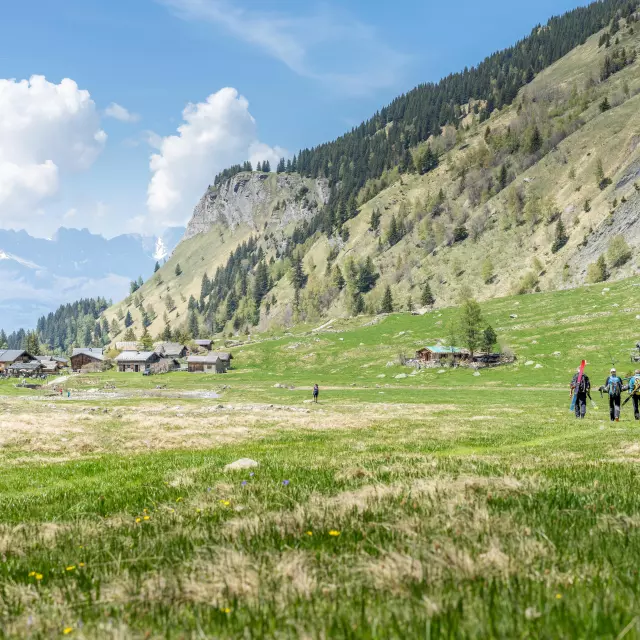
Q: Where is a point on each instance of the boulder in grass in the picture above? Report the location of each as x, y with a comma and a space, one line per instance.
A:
538, 366
401, 376
242, 463
528, 363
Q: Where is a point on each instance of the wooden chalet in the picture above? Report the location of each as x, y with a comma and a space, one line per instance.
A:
137, 361
211, 363
204, 344
171, 349
25, 369
52, 364
428, 355
12, 356
87, 358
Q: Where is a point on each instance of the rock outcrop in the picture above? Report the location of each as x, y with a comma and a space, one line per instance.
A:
254, 198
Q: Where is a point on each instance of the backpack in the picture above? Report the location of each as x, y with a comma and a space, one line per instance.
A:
583, 387
615, 386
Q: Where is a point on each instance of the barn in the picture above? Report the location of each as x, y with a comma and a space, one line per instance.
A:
52, 364
204, 344
128, 346
225, 356
210, 363
136, 361
430, 355
25, 369
87, 358
12, 356
171, 349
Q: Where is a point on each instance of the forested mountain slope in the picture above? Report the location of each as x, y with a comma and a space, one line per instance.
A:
518, 175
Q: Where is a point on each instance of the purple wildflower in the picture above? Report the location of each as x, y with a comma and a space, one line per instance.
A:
244, 483
285, 483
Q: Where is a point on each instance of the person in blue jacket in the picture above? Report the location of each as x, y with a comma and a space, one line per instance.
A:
613, 386
634, 390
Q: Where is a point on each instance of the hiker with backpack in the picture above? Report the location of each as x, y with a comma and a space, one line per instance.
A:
613, 386
316, 392
634, 391
581, 390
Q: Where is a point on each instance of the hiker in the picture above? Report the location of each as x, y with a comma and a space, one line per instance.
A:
581, 391
613, 386
316, 393
634, 391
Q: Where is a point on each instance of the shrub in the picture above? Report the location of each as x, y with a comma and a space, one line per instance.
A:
618, 252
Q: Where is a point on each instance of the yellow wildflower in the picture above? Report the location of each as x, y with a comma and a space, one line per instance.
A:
38, 576
558, 596
198, 510
67, 630
334, 533
226, 503
309, 533
178, 499
81, 564
138, 520
146, 518
71, 567
225, 610
32, 573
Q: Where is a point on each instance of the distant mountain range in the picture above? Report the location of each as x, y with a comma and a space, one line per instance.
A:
37, 275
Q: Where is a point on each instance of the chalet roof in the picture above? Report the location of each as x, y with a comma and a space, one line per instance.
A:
127, 346
204, 343
210, 358
11, 355
90, 352
136, 356
26, 366
444, 350
48, 358
223, 355
169, 348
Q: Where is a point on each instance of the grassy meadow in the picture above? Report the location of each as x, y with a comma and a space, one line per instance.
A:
433, 505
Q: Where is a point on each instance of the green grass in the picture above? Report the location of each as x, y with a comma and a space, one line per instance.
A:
465, 506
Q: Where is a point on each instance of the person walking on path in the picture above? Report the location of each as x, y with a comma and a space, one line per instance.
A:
634, 390
613, 386
581, 392
316, 393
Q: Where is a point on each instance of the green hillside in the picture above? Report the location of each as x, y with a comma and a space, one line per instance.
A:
474, 210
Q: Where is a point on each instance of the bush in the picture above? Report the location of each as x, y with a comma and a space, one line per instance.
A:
618, 252
597, 271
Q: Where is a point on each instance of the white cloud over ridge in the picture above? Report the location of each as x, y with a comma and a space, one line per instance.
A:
214, 135
118, 112
328, 45
46, 130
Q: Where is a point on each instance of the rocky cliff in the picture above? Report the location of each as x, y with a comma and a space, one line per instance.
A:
253, 198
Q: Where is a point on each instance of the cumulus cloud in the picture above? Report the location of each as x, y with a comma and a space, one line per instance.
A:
118, 112
46, 130
214, 135
328, 45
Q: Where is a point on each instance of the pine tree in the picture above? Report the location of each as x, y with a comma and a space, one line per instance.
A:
387, 301
260, 283
393, 234
337, 279
281, 166
178, 269
166, 333
489, 339
32, 343
357, 304
114, 329
604, 105
298, 276
374, 222
156, 268
427, 299
470, 325
503, 178
4, 344
534, 140
266, 166
410, 304
561, 237
192, 325
130, 335
367, 276
128, 320
146, 341
259, 166
169, 303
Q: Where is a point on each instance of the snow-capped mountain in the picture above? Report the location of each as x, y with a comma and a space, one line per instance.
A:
37, 275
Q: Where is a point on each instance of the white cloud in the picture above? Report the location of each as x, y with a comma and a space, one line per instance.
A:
118, 112
46, 130
328, 46
214, 135
259, 152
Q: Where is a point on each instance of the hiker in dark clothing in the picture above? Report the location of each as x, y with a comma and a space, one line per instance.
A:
316, 393
634, 390
613, 386
582, 391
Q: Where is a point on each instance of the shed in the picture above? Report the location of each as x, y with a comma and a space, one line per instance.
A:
87, 358
439, 353
210, 363
225, 356
204, 344
11, 356
171, 349
52, 364
136, 361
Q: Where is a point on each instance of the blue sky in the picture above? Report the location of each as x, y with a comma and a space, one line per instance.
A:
308, 71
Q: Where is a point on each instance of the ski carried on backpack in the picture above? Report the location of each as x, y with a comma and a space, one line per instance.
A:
583, 364
634, 392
